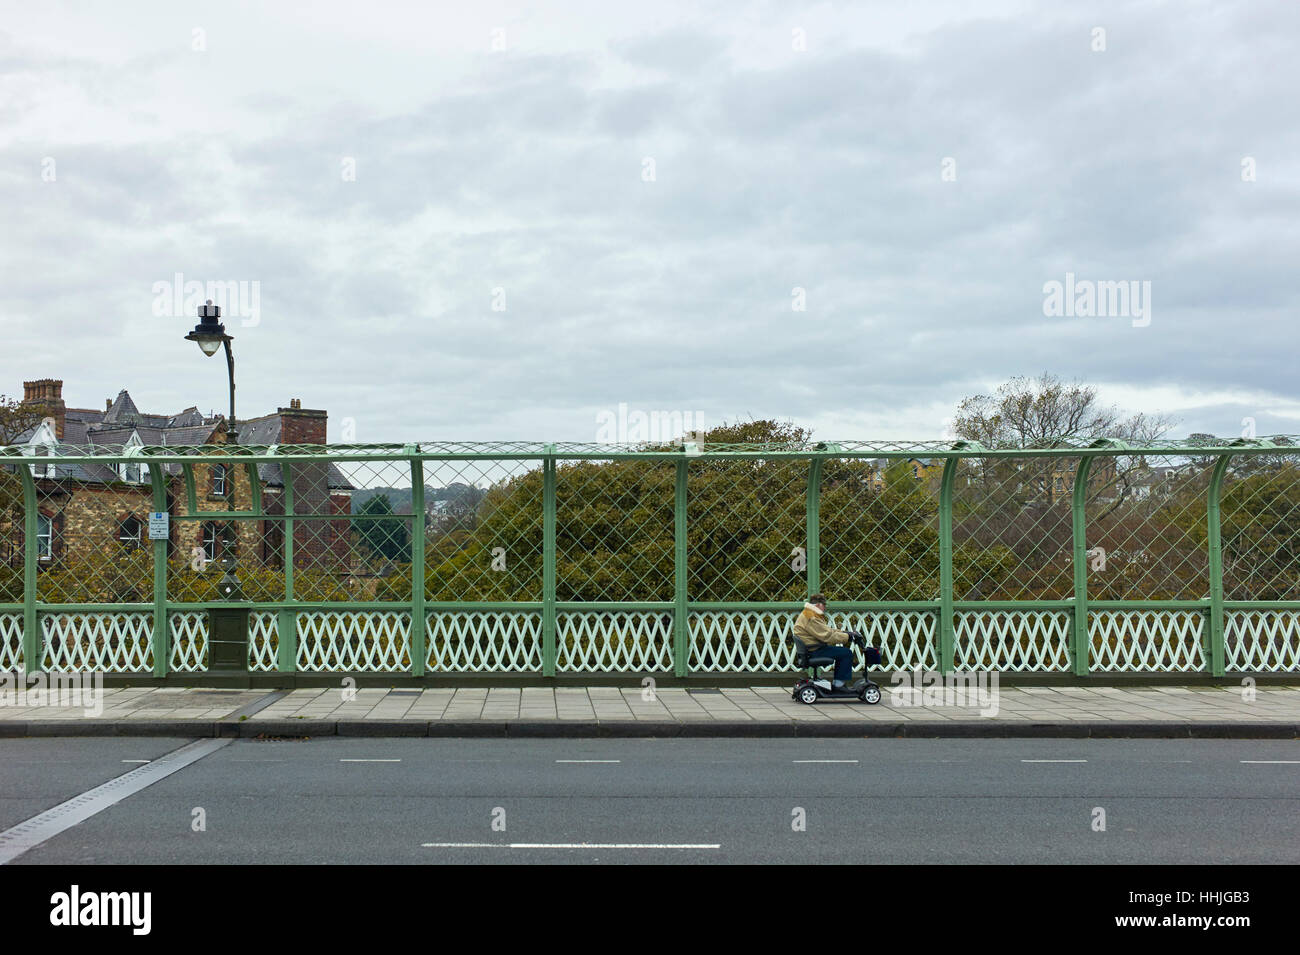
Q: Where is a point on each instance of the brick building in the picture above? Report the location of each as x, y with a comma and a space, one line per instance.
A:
98, 511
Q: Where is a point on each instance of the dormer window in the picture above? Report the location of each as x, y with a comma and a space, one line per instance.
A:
43, 444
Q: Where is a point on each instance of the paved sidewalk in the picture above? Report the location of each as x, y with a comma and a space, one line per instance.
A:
614, 711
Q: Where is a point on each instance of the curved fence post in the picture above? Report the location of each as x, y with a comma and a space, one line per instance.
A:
162, 634
1218, 651
419, 629
814, 538
681, 621
947, 636
33, 645
286, 618
550, 649
1079, 648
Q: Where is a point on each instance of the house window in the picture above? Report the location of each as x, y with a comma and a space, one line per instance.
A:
128, 533
211, 541
219, 480
44, 537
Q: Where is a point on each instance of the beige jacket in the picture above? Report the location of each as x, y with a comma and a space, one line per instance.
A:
814, 628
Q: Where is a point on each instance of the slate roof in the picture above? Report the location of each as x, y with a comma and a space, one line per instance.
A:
110, 430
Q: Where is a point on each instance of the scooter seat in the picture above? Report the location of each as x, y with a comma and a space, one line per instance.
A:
805, 656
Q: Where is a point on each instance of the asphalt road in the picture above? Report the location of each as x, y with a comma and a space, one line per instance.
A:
691, 801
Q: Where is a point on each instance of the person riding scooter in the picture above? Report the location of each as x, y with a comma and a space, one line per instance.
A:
813, 628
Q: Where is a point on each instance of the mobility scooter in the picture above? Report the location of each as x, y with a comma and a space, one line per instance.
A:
811, 689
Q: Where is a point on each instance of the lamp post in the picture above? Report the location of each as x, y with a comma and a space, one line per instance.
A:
209, 334
227, 627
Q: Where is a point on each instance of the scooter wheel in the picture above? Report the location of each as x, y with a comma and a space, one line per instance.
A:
870, 694
807, 695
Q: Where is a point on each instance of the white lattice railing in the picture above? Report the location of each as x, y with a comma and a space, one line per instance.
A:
350, 641
1146, 641
1262, 640
486, 641
1132, 641
189, 636
754, 641
614, 642
104, 642
263, 640
11, 642
1025, 641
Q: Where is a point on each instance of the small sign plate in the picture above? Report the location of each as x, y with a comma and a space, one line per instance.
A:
159, 529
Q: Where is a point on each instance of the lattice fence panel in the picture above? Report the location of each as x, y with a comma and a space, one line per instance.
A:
1012, 528
618, 642
352, 641
263, 640
614, 530
747, 530
484, 537
1154, 641
11, 641
1263, 640
1026, 641
485, 641
1259, 510
1146, 528
755, 641
105, 642
879, 537
189, 638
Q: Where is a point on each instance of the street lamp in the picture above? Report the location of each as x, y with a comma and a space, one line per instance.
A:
209, 334
227, 627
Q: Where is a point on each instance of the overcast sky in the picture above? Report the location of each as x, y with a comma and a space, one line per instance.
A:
451, 240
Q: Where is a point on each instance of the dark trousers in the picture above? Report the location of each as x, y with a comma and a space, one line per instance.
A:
843, 658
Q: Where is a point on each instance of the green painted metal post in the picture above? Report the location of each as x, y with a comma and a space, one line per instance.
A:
1079, 525
1218, 657
419, 627
549, 648
681, 619
286, 621
33, 645
162, 634
947, 632
814, 536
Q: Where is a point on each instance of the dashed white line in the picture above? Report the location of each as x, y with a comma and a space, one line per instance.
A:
369, 760
824, 760
589, 761
1271, 762
1053, 760
137, 760
571, 845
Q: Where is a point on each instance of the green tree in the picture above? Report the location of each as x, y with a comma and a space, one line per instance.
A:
382, 533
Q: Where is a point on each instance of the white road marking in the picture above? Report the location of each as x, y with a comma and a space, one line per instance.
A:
1289, 762
137, 760
571, 845
589, 761
45, 826
825, 760
369, 760
1053, 760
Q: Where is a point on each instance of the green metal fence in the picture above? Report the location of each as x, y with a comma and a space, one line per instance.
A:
684, 559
